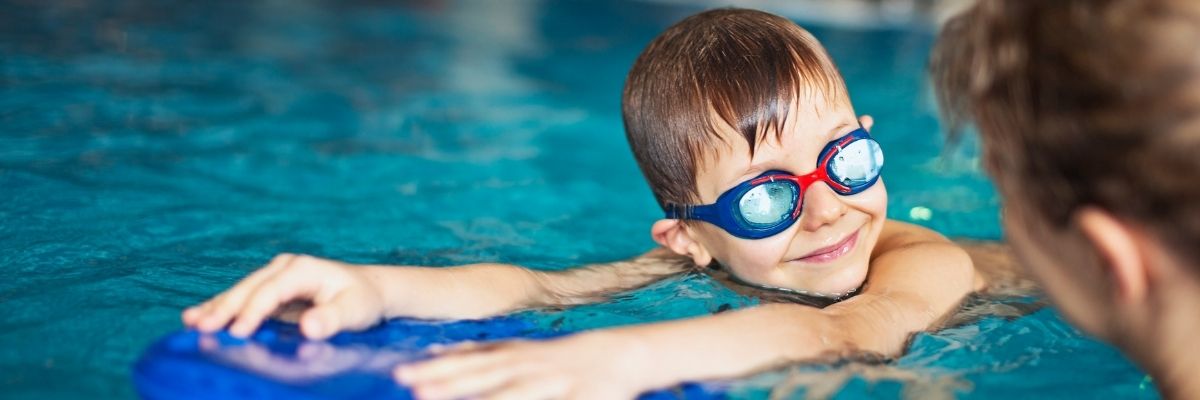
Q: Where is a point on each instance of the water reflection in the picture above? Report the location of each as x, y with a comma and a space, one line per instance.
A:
312, 360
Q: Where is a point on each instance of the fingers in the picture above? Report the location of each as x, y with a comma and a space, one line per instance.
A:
321, 322
458, 348
267, 297
525, 389
467, 384
345, 310
342, 298
261, 304
192, 314
215, 313
451, 363
562, 368
469, 370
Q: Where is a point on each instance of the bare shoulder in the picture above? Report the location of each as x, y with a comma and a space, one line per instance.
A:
905, 232
906, 249
898, 235
594, 282
996, 268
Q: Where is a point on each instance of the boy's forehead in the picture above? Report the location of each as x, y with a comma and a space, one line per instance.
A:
805, 120
808, 126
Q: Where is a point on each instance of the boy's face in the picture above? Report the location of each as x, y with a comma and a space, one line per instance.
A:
826, 252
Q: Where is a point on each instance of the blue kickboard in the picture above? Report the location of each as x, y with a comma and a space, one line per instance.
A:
277, 362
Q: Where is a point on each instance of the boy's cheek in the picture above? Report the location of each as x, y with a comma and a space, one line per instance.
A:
850, 277
873, 201
880, 196
755, 262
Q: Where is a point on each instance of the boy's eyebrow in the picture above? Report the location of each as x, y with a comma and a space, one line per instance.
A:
756, 169
838, 129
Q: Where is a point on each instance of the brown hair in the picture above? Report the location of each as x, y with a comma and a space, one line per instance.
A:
1083, 102
748, 67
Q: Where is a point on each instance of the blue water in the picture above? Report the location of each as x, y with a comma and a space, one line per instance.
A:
152, 153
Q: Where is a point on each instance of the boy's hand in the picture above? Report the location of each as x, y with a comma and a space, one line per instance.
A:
594, 365
343, 296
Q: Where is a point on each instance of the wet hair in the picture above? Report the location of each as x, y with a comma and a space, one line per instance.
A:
1083, 102
746, 68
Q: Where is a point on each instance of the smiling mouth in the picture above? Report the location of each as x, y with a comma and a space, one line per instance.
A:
830, 253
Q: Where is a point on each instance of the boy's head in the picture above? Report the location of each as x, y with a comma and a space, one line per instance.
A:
1089, 113
721, 98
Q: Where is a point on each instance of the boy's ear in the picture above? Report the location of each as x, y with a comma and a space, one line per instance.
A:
1119, 249
867, 122
672, 234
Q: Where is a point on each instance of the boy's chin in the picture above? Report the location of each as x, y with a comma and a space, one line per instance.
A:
829, 289
842, 290
841, 284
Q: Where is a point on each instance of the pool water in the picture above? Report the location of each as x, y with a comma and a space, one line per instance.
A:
152, 153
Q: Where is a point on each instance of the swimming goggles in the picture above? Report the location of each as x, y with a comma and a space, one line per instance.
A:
770, 203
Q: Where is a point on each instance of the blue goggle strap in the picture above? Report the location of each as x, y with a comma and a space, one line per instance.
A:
706, 213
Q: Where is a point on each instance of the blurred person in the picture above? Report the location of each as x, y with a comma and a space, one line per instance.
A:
1089, 114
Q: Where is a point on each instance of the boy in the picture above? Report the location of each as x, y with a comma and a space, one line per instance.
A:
1089, 113
744, 130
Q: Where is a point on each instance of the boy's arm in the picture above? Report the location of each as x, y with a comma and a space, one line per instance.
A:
346, 296
916, 278
483, 290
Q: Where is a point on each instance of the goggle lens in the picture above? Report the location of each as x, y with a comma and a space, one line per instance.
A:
857, 164
768, 204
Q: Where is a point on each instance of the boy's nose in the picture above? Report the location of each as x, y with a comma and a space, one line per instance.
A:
822, 206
